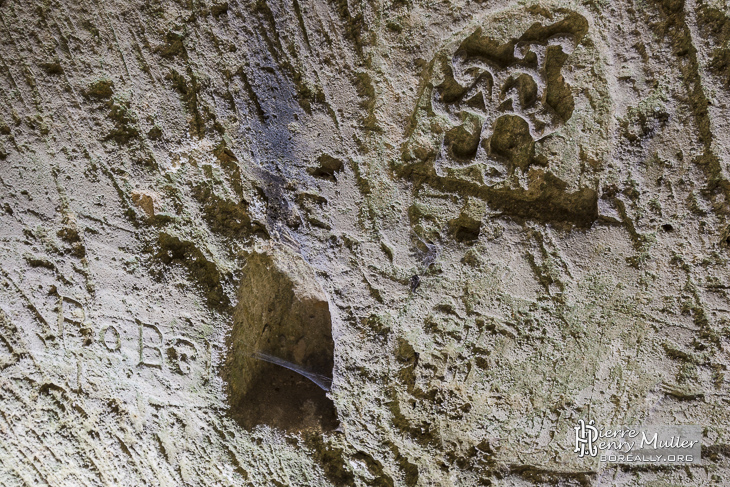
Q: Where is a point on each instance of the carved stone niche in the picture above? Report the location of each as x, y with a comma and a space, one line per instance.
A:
515, 111
282, 311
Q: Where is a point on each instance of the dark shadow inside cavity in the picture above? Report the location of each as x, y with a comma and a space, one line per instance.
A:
327, 168
282, 313
286, 400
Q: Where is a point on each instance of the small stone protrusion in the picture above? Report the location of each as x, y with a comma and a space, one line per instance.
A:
147, 201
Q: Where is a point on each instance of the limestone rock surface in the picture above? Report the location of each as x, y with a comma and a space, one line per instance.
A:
482, 220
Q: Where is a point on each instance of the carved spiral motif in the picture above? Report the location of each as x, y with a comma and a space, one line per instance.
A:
500, 91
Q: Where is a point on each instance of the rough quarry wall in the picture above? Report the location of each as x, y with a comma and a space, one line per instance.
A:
482, 221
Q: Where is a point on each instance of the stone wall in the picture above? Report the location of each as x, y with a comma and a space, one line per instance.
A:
483, 221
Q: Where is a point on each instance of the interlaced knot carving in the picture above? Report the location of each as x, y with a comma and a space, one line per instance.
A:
499, 100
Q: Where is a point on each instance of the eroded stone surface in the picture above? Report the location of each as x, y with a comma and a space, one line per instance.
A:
507, 217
